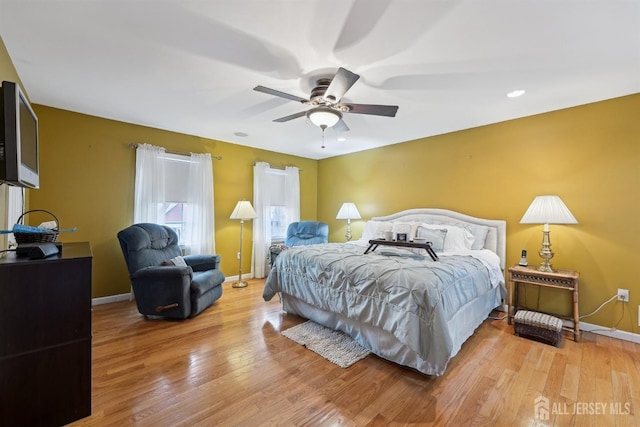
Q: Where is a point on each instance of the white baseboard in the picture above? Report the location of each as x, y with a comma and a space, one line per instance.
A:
503, 307
246, 276
111, 298
610, 332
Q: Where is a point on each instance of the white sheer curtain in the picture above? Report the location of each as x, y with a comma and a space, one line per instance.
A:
13, 199
292, 193
15, 207
149, 192
285, 190
199, 221
261, 224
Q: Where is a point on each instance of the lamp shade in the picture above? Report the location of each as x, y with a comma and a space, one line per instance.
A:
348, 210
243, 210
548, 210
324, 116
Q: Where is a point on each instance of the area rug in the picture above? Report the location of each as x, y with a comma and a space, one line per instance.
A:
335, 346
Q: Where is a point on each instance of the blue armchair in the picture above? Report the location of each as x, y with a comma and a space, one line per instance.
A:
165, 283
307, 233
301, 233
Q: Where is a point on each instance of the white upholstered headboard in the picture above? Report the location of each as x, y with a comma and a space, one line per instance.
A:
496, 238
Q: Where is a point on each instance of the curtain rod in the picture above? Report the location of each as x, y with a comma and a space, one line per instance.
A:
277, 166
132, 145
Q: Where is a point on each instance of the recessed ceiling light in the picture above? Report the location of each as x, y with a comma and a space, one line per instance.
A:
516, 93
241, 134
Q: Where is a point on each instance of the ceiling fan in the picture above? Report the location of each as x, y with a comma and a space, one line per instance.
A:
325, 99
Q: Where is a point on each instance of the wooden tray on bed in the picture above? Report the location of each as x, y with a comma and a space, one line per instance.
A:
374, 243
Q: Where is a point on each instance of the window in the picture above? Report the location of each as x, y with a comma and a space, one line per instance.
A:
279, 216
176, 181
279, 223
174, 218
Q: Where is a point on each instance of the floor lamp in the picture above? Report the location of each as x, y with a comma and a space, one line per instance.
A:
243, 211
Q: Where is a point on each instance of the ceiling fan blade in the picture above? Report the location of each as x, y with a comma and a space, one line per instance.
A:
364, 18
341, 83
290, 117
376, 110
280, 94
341, 126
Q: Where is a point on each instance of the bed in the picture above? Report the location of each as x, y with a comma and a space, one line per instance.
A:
398, 302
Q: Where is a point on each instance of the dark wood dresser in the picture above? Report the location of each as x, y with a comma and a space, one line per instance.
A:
45, 338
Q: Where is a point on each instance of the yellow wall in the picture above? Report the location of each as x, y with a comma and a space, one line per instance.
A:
588, 155
87, 179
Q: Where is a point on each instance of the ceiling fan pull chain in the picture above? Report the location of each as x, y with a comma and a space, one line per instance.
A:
323, 128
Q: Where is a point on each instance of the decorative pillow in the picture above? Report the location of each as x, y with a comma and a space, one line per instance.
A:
479, 232
376, 229
437, 237
179, 261
457, 238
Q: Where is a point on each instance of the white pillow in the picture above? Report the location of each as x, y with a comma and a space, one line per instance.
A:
376, 229
479, 232
457, 238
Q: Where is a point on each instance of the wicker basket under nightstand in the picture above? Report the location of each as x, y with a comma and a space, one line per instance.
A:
539, 326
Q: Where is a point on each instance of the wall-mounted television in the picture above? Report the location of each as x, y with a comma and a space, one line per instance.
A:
19, 163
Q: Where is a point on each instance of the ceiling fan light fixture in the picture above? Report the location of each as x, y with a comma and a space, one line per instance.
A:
324, 117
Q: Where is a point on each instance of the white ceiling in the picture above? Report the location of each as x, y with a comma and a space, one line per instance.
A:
190, 66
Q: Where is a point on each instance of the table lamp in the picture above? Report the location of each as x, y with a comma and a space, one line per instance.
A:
547, 210
348, 211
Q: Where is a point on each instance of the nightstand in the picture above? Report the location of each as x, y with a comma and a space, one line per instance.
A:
559, 279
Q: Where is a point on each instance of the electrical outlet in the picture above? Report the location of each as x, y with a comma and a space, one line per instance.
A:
623, 295
238, 257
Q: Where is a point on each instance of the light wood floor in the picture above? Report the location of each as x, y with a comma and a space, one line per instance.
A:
230, 366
